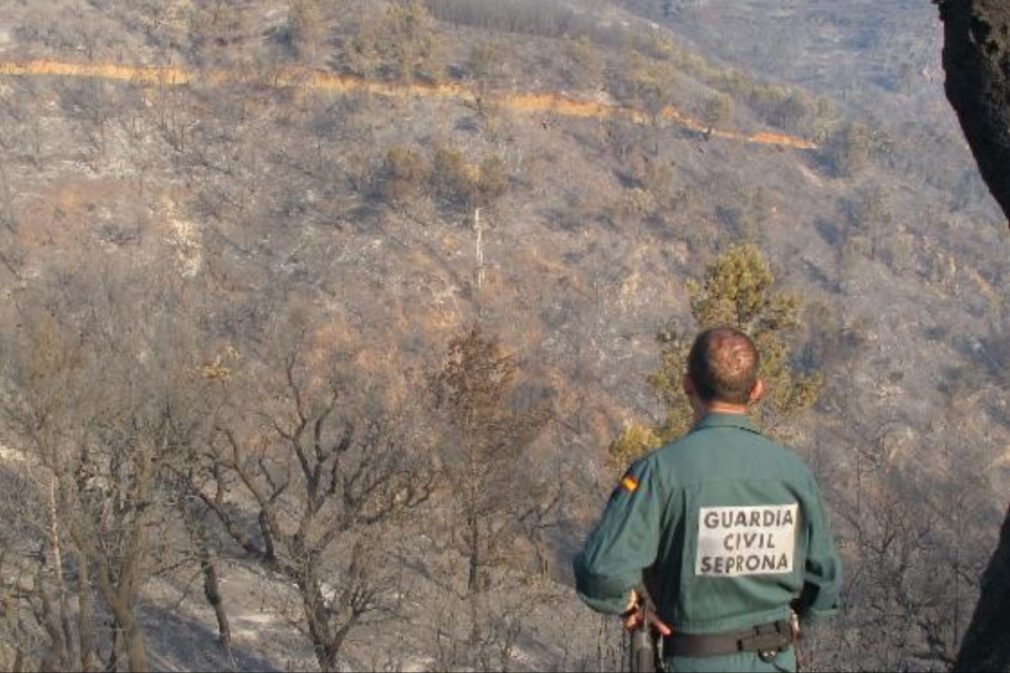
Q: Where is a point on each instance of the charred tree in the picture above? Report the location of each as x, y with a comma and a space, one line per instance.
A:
323, 481
976, 57
986, 645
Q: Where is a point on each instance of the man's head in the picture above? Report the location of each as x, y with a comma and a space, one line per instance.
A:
722, 368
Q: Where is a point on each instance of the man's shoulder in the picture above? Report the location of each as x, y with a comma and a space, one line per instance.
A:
702, 447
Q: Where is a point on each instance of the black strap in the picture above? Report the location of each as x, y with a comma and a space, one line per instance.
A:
771, 637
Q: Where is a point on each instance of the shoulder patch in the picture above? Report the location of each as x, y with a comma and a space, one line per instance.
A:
629, 483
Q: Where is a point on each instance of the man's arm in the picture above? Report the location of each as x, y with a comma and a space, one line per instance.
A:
823, 571
624, 542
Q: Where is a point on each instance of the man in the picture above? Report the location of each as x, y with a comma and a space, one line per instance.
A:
725, 528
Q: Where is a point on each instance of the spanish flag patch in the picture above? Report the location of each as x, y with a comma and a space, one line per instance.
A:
629, 483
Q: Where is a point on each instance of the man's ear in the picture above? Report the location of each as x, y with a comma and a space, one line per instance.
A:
758, 391
687, 383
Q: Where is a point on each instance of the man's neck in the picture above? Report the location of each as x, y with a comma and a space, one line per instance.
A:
725, 408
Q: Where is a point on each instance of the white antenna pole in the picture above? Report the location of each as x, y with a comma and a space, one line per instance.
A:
479, 228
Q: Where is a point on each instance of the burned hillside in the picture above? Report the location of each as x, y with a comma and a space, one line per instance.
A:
251, 253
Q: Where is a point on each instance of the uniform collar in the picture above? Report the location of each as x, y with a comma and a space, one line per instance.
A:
723, 420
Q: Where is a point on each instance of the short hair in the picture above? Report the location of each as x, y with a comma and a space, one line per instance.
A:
723, 365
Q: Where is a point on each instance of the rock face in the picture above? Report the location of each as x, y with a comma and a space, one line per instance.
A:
976, 56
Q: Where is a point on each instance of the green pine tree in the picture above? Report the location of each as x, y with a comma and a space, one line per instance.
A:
739, 291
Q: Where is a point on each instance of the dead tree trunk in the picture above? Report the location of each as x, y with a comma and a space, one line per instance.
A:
976, 56
86, 614
986, 644
473, 530
212, 592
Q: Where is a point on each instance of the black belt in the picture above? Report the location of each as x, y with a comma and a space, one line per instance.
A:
767, 638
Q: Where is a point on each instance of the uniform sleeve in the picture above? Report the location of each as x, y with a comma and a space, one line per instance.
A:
624, 542
823, 571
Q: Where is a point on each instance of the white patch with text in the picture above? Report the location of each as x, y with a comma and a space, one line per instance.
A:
740, 541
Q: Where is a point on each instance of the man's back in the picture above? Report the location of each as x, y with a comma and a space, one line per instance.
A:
728, 527
743, 520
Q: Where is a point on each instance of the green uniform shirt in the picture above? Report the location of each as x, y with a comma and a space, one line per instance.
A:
724, 526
